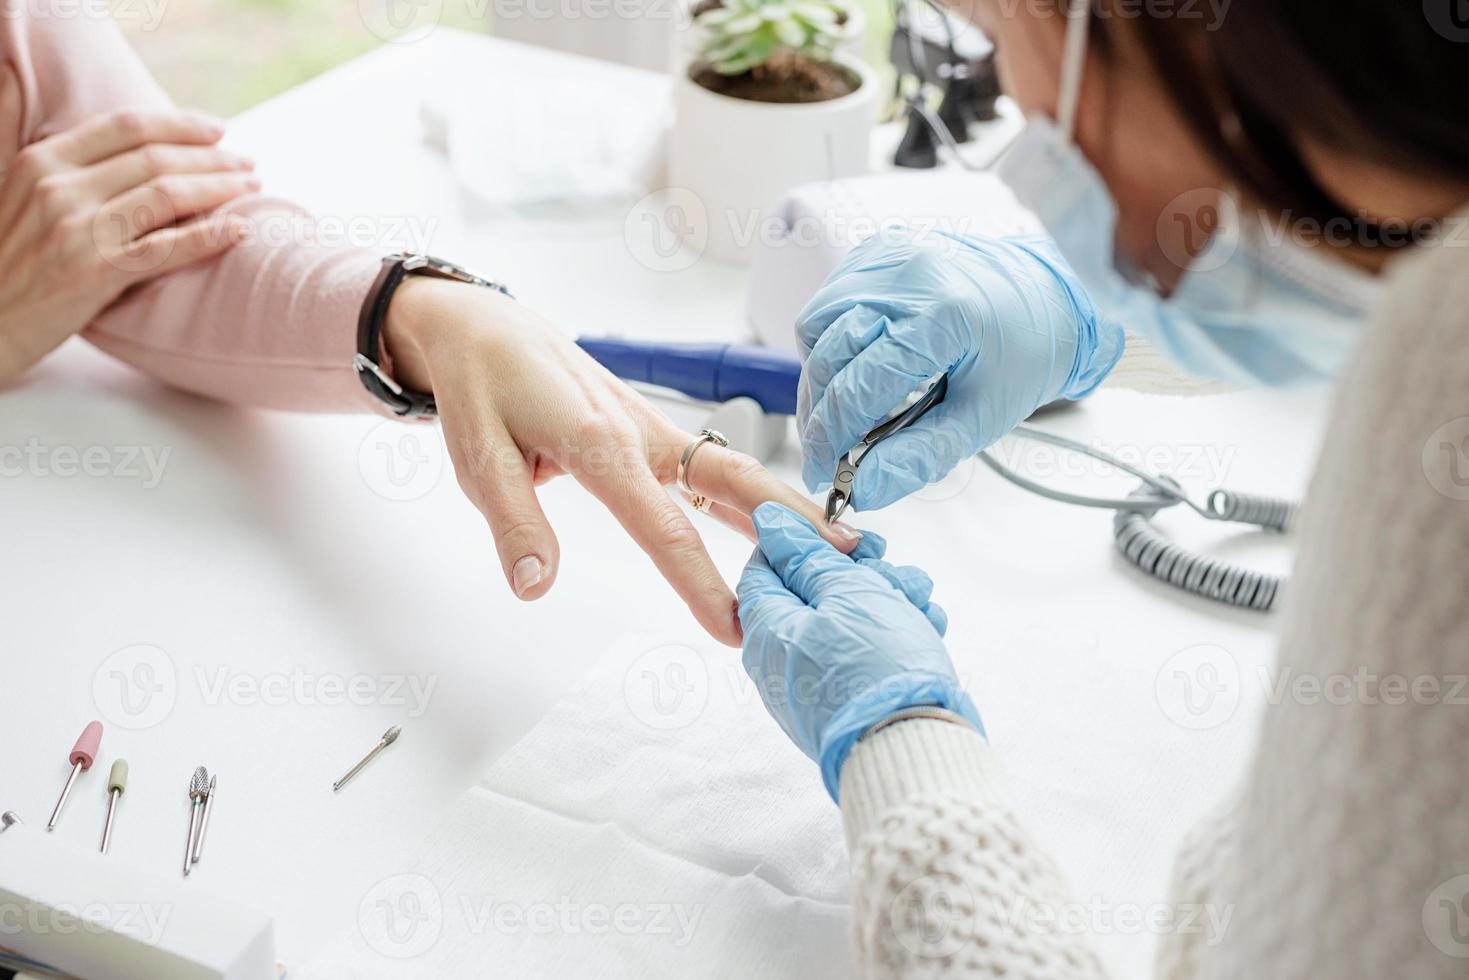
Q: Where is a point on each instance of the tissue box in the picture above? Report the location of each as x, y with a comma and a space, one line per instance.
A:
94, 916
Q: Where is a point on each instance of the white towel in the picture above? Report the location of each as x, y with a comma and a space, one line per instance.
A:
656, 823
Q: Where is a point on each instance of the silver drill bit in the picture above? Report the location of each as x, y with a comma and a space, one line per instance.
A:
198, 790
9, 819
76, 770
117, 782
389, 737
204, 823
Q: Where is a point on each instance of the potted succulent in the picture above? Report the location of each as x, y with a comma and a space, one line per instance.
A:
768, 100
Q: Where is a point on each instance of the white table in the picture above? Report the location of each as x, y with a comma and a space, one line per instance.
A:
275, 575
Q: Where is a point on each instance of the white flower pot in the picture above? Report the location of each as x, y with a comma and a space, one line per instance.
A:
735, 159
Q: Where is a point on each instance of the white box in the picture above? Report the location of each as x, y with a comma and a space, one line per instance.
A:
97, 917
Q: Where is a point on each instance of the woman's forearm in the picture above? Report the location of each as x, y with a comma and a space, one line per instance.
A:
945, 880
270, 321
265, 324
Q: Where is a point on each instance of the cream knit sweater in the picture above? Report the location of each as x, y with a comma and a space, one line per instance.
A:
1347, 853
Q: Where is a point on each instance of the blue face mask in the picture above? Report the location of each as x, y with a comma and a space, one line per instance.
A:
1252, 308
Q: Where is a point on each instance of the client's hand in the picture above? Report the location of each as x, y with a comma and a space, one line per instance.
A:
95, 209
521, 404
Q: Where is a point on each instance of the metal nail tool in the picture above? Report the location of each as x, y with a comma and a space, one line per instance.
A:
198, 791
204, 823
117, 782
839, 498
389, 737
82, 754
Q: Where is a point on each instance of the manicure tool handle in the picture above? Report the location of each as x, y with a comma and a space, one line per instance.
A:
709, 372
930, 400
359, 767
204, 821
112, 796
193, 830
76, 770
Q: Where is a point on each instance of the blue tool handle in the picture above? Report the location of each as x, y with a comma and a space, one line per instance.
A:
710, 372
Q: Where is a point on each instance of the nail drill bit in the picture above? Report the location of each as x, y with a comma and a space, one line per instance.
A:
198, 790
81, 758
204, 823
9, 819
117, 782
389, 737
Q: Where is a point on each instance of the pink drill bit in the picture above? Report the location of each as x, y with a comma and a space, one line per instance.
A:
81, 757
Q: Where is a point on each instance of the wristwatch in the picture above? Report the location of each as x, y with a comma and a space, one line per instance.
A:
368, 362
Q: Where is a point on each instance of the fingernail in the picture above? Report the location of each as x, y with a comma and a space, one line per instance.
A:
845, 533
253, 183
212, 121
525, 573
243, 162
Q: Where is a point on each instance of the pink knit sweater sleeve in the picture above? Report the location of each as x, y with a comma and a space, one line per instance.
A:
271, 322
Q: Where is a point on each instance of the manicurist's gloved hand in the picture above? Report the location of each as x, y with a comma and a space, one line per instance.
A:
1005, 317
837, 643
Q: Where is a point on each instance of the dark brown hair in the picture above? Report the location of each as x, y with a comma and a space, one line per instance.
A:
1385, 79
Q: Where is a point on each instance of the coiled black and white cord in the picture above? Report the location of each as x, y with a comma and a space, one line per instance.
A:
1152, 551
1146, 547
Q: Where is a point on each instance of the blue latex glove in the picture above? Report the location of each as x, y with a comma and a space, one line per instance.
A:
1006, 318
835, 645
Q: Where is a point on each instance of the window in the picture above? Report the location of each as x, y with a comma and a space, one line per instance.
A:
224, 56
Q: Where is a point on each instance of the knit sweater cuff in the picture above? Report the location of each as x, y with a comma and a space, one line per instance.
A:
915, 759
1142, 368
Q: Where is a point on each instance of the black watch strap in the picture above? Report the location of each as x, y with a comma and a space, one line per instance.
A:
402, 400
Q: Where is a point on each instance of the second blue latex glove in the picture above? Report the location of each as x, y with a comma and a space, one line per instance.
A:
836, 645
1005, 317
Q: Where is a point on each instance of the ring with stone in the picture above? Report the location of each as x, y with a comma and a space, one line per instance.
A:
700, 502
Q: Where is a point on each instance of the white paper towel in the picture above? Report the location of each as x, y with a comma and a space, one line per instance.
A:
655, 823
551, 139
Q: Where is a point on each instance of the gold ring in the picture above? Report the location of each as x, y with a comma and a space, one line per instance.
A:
705, 435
